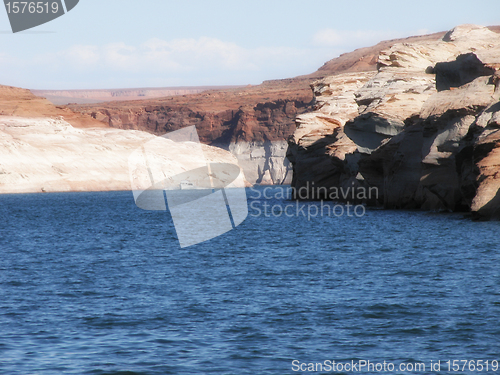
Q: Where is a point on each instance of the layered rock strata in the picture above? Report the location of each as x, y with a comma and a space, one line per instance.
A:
254, 133
423, 131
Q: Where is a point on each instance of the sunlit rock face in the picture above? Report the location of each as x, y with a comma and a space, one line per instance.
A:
50, 155
423, 130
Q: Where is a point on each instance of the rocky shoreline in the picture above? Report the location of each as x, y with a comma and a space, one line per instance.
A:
415, 120
423, 130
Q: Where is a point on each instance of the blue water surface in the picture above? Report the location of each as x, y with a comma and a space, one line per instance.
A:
91, 284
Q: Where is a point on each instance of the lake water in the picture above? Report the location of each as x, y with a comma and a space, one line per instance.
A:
91, 284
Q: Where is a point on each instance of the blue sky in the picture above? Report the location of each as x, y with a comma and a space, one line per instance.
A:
156, 43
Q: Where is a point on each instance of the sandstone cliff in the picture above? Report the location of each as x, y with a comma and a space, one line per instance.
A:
254, 122
50, 155
15, 101
423, 130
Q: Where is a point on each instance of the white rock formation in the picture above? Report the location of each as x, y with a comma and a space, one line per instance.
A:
49, 155
461, 40
263, 162
335, 104
423, 130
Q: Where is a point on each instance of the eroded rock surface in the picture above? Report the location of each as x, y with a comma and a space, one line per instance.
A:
424, 130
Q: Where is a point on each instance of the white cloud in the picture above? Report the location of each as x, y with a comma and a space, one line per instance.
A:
158, 62
423, 32
82, 55
4, 57
120, 56
189, 54
343, 38
328, 38
187, 61
177, 55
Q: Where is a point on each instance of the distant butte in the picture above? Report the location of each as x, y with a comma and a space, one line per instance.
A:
109, 95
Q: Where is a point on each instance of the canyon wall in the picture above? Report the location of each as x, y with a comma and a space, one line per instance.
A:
421, 132
254, 131
253, 122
